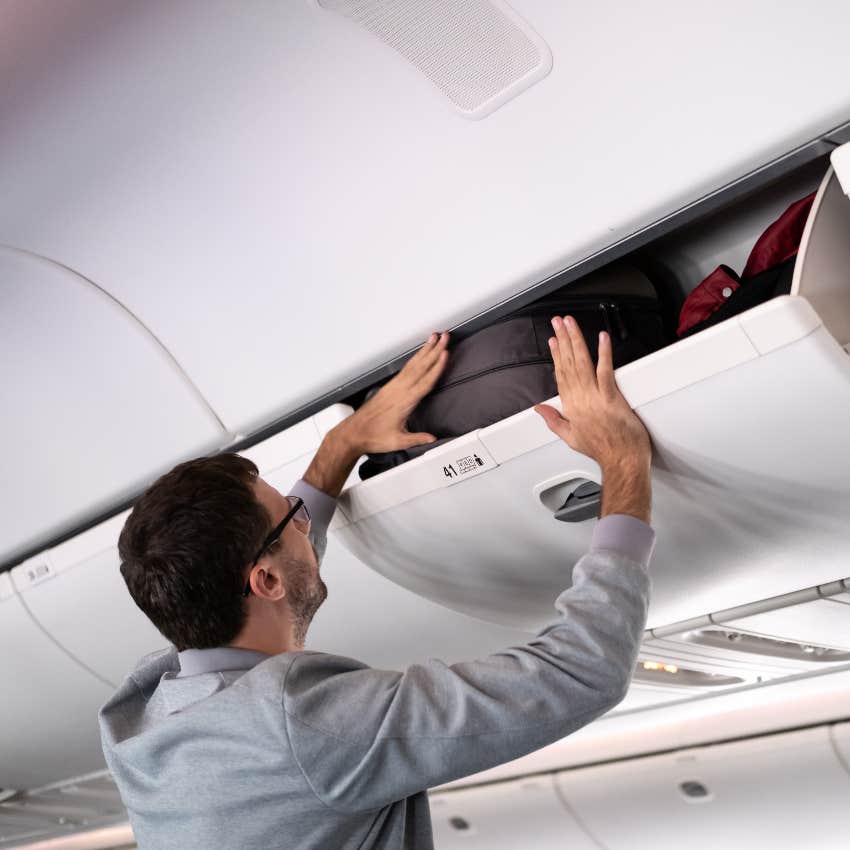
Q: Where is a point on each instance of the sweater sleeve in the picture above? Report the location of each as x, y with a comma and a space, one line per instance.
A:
365, 738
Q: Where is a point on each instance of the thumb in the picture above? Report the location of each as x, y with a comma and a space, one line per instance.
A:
410, 440
556, 423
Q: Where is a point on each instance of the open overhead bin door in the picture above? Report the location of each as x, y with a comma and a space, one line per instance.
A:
365, 615
750, 493
750, 486
94, 407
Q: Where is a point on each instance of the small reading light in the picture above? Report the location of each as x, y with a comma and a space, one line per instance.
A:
652, 665
671, 668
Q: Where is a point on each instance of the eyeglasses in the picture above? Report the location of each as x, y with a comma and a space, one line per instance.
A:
297, 511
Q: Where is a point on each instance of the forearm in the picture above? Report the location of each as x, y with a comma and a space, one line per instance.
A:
333, 462
627, 489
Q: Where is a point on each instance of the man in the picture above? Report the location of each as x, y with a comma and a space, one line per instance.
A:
240, 739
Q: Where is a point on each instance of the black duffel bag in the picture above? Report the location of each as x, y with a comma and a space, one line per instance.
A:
507, 367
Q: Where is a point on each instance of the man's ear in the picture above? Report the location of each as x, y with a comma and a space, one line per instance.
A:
270, 584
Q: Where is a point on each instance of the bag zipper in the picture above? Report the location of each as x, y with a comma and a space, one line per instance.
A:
609, 308
536, 362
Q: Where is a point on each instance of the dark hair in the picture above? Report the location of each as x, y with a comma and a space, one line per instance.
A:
185, 546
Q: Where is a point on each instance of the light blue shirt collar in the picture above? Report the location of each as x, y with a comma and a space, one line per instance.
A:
196, 661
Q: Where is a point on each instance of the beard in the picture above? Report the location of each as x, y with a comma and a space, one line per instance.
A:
305, 592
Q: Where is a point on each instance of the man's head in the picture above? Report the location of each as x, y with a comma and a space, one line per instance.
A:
186, 552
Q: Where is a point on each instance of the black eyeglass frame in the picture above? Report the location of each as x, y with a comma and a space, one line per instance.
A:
274, 535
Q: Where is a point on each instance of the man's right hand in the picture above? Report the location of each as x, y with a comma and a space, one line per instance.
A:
597, 420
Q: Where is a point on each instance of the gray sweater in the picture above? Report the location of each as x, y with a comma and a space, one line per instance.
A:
235, 750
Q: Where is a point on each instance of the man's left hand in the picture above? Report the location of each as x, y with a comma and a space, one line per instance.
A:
380, 425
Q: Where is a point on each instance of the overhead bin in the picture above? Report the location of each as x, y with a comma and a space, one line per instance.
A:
346, 624
750, 492
507, 816
779, 791
94, 407
204, 200
75, 591
48, 710
72, 633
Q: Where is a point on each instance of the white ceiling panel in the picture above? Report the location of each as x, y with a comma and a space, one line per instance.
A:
93, 406
775, 793
508, 816
48, 710
288, 202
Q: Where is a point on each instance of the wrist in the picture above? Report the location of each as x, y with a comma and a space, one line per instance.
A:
627, 489
343, 442
629, 467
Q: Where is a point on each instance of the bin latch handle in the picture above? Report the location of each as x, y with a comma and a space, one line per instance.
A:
582, 503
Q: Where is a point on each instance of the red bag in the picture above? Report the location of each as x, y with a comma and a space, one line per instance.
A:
779, 243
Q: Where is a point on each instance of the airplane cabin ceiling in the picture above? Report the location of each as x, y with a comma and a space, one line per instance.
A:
287, 203
93, 405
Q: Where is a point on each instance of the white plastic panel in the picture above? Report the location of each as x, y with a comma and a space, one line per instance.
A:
93, 407
354, 619
745, 507
48, 711
507, 816
822, 270
85, 606
271, 234
776, 793
822, 622
727, 715
76, 592
643, 696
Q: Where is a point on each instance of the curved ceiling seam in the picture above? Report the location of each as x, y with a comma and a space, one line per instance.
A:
562, 798
80, 663
193, 387
839, 754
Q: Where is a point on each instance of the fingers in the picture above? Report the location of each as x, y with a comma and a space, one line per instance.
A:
427, 357
410, 440
556, 353
566, 367
555, 422
428, 379
605, 367
581, 356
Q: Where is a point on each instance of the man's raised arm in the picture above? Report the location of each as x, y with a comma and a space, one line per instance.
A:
365, 738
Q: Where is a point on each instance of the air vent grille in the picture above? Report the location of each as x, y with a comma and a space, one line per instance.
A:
478, 53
